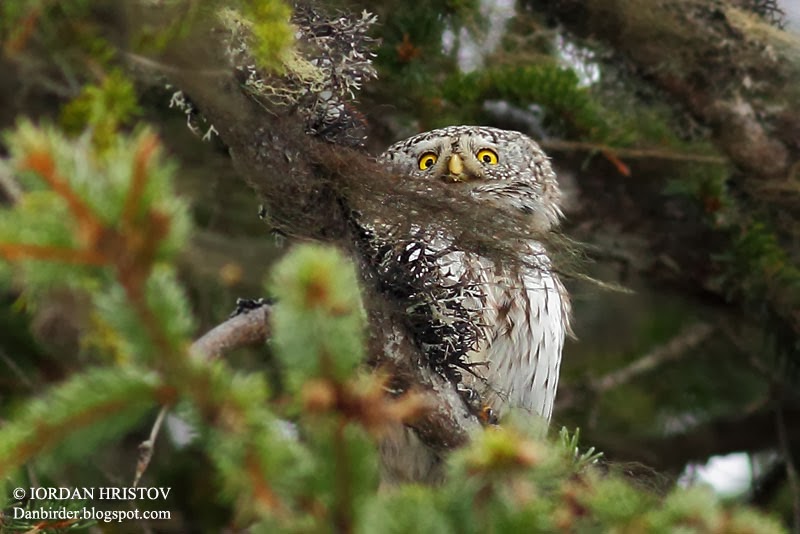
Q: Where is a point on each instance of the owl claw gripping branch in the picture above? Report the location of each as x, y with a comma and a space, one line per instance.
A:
464, 308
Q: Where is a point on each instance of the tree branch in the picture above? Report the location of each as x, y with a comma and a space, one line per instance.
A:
562, 145
242, 330
672, 350
699, 52
676, 347
752, 432
720, 64
271, 151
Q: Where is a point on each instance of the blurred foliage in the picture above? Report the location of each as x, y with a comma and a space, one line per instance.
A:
104, 108
98, 219
270, 475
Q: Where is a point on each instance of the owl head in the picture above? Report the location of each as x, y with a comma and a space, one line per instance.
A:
504, 167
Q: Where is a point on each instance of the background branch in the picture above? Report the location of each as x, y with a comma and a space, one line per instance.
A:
752, 432
677, 347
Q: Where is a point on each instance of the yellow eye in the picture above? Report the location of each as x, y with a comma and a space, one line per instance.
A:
487, 156
427, 160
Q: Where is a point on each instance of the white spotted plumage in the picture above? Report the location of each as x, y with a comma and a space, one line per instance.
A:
521, 312
524, 318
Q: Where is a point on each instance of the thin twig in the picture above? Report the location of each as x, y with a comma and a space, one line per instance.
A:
9, 186
150, 64
147, 446
770, 373
654, 153
674, 349
16, 370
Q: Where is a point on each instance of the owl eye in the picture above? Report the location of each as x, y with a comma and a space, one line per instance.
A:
427, 160
487, 156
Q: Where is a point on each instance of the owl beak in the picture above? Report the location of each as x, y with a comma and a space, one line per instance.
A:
456, 167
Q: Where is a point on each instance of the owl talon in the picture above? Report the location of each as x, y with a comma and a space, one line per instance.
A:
472, 399
488, 416
246, 305
468, 394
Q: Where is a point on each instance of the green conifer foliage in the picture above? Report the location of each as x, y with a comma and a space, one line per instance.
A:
97, 215
317, 289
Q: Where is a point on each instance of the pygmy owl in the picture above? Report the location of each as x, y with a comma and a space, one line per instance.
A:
506, 323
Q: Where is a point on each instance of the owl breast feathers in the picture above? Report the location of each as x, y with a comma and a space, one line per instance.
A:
504, 324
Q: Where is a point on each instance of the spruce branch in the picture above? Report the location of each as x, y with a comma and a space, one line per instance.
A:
39, 159
698, 55
129, 245
72, 411
245, 329
22, 251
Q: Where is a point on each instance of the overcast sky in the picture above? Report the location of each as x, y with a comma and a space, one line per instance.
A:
792, 10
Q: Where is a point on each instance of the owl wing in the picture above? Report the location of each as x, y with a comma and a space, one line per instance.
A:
438, 287
498, 330
527, 310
